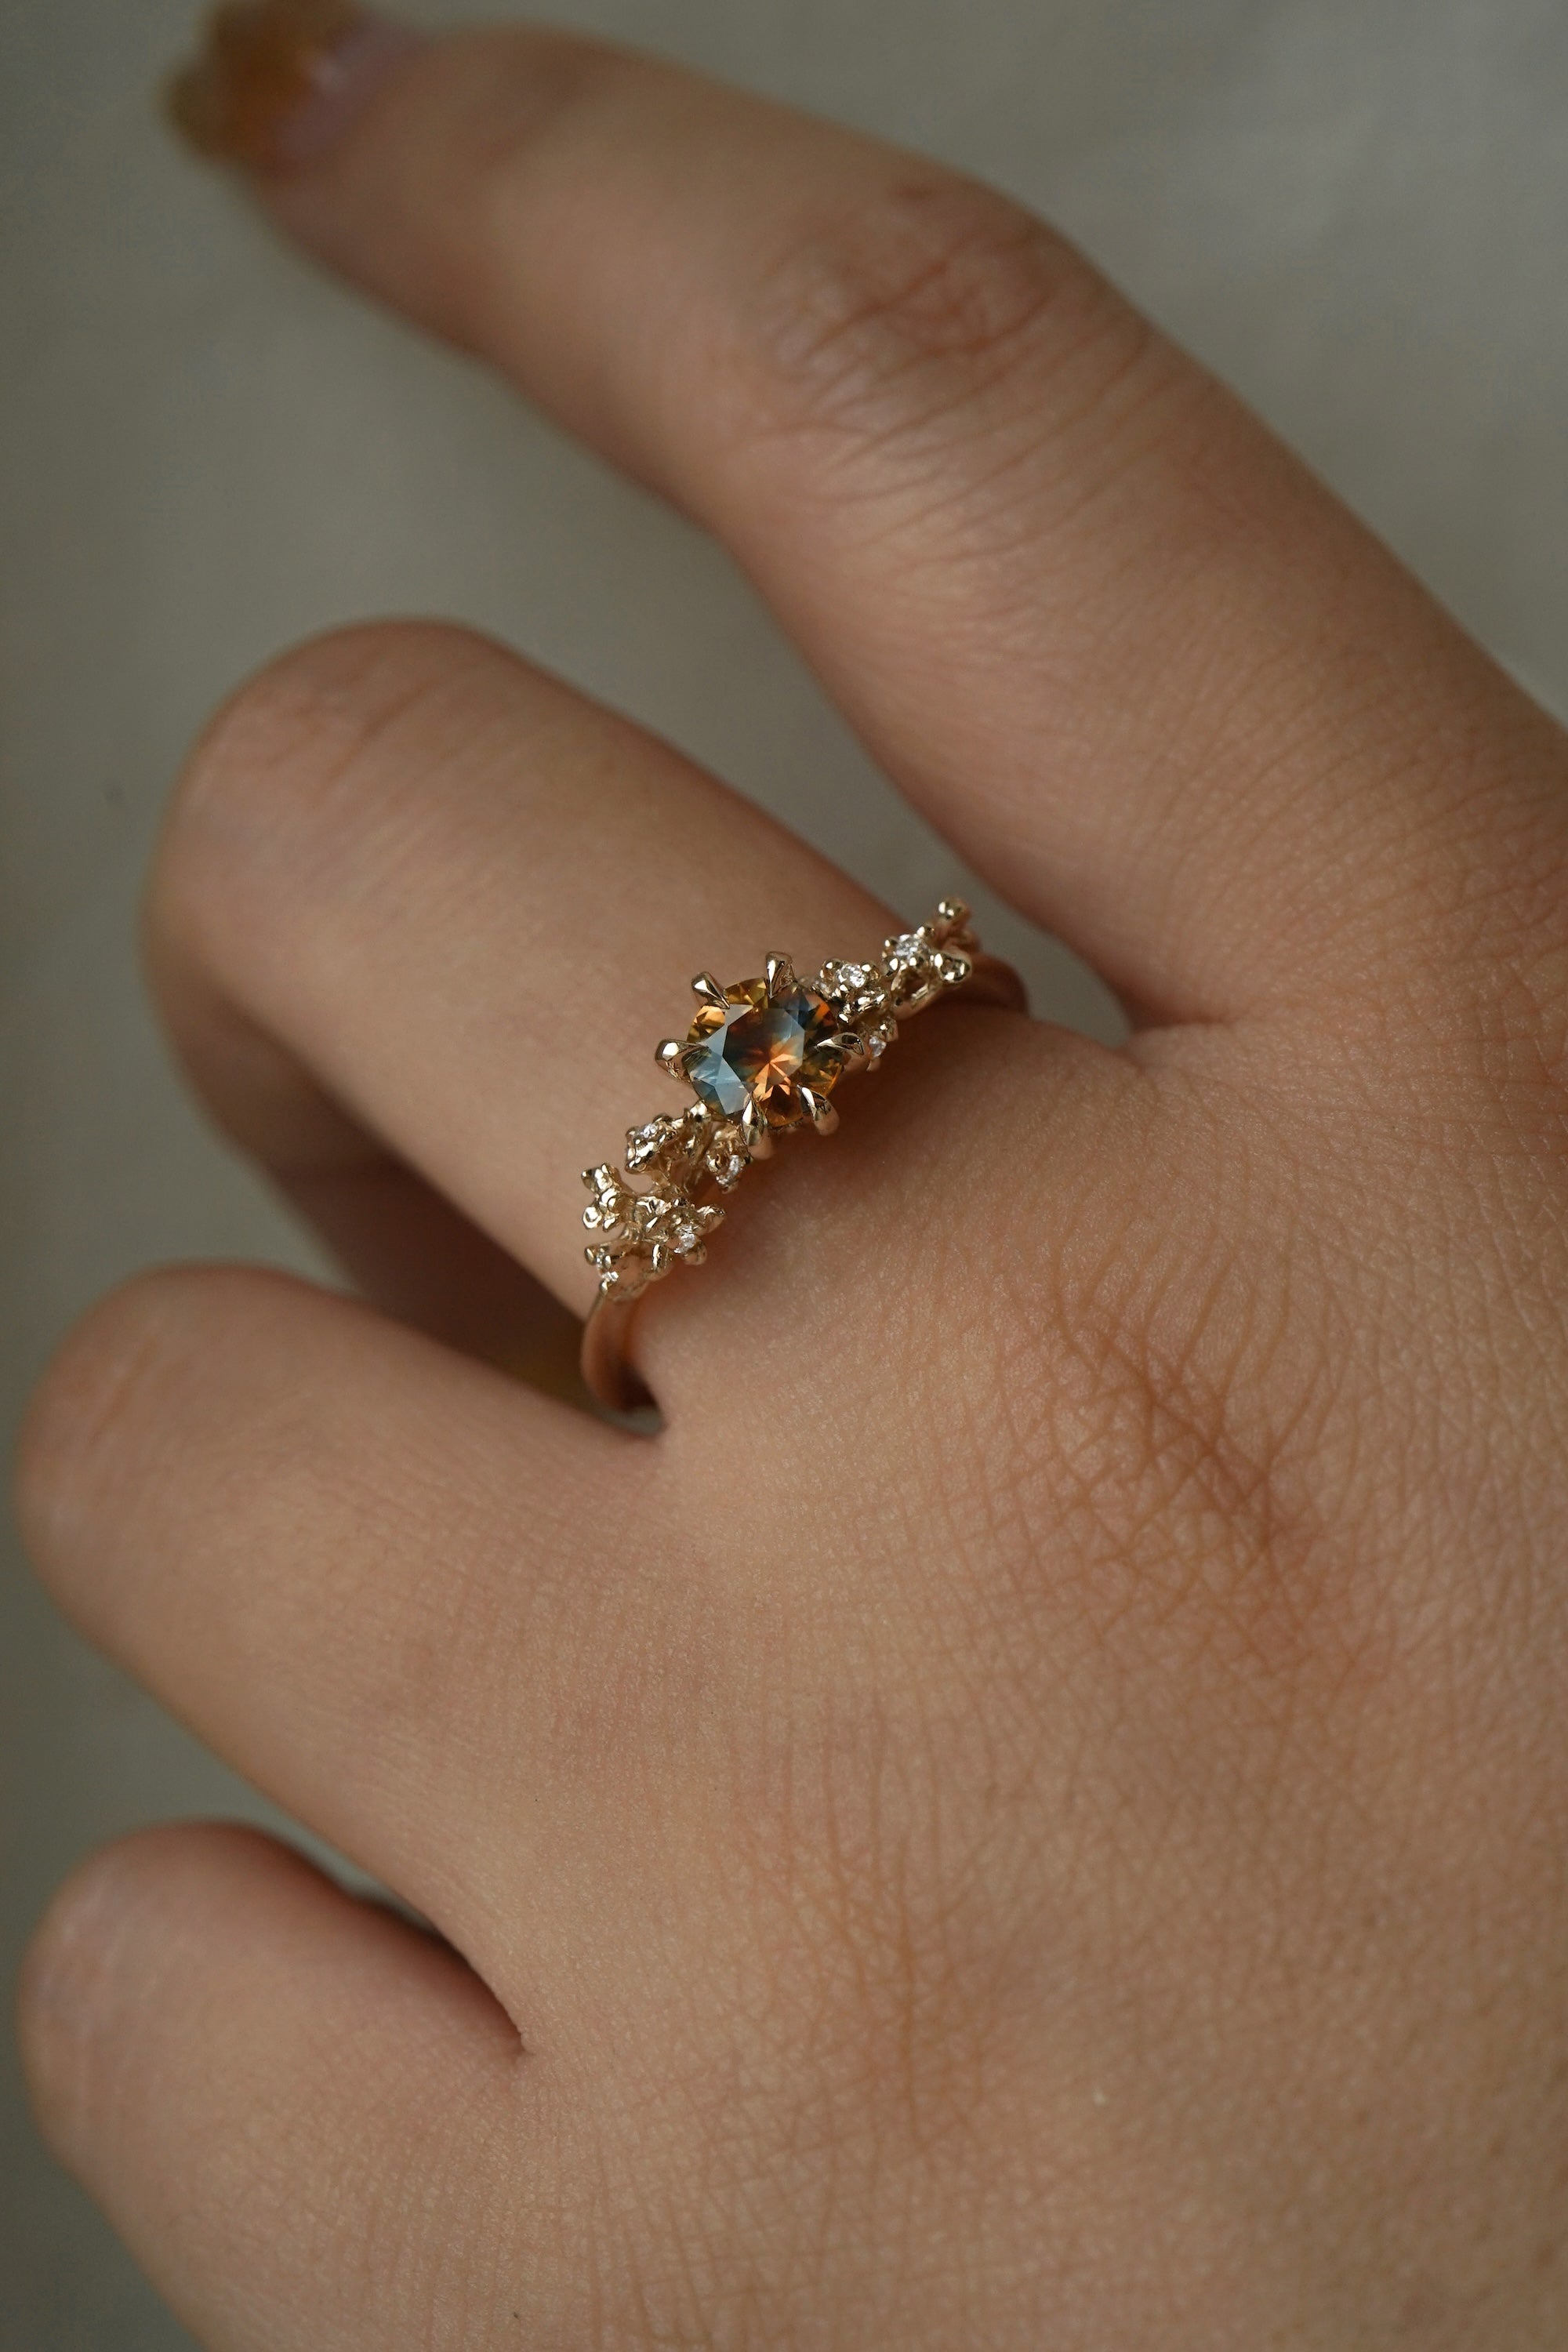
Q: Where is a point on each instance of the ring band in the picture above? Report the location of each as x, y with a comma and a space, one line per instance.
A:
763, 1057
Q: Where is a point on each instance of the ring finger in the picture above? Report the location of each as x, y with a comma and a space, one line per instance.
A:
411, 890
414, 891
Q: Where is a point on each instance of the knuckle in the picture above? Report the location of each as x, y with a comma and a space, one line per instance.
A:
80, 1415
284, 777
102, 1994
58, 1997
91, 1420
70, 1989
922, 300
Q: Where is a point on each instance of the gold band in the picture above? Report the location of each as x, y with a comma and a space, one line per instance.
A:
763, 1058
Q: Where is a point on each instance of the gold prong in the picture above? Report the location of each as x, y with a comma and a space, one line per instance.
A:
755, 1133
781, 974
818, 1109
708, 989
668, 1057
850, 1044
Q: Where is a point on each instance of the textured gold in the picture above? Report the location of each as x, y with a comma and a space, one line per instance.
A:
763, 1057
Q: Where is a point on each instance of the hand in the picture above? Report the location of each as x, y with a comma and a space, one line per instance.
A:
1035, 1812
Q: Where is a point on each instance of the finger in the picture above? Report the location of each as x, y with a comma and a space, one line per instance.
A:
407, 1250
1145, 672
411, 1255
281, 2096
360, 1568
470, 902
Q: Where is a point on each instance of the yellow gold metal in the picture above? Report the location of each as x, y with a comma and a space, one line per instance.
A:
819, 1110
764, 1057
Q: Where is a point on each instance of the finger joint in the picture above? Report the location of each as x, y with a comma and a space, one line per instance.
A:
922, 306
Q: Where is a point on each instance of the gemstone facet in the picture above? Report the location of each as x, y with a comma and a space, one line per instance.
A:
760, 1049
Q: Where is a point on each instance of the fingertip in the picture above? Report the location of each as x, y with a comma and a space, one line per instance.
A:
277, 83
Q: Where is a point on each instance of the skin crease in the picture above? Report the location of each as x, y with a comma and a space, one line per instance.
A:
1034, 1812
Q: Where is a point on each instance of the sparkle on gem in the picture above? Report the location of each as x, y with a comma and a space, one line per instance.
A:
760, 1049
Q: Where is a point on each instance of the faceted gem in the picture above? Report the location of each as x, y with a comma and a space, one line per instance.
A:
760, 1049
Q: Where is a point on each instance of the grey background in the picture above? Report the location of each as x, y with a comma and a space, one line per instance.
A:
1358, 209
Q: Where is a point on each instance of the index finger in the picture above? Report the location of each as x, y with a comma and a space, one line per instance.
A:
1150, 677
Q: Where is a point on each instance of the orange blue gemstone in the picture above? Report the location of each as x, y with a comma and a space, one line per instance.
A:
760, 1049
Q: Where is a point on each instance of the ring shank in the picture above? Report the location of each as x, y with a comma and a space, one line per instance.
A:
992, 983
608, 1372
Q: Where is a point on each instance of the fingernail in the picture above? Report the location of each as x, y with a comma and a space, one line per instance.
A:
277, 82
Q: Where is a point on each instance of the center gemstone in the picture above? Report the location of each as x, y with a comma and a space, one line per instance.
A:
760, 1048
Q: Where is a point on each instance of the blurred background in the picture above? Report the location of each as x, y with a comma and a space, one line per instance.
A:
1356, 209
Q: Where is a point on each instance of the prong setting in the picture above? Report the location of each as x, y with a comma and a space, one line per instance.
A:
819, 1110
755, 1133
763, 1058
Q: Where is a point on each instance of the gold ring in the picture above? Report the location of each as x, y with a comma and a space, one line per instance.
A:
763, 1058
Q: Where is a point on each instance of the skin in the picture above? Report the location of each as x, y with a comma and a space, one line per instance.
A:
1034, 1813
